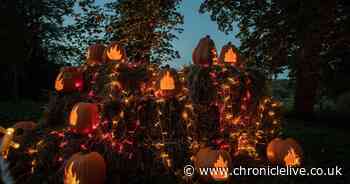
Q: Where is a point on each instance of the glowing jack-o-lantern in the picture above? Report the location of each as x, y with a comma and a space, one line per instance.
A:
94, 54
168, 83
85, 169
69, 79
114, 52
84, 118
205, 53
286, 152
219, 160
229, 54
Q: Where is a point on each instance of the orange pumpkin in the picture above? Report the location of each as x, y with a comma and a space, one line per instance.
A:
69, 79
85, 169
115, 53
286, 152
210, 158
94, 53
22, 128
168, 83
205, 53
84, 117
229, 54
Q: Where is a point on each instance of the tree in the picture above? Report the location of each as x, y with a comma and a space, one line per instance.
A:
146, 28
36, 36
294, 33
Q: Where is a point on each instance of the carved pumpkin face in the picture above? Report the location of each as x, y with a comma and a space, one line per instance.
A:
85, 169
205, 53
114, 52
94, 54
69, 79
286, 152
211, 158
84, 118
229, 54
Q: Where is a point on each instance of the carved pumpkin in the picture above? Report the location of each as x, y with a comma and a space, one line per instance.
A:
286, 152
84, 117
168, 83
229, 54
205, 53
94, 53
114, 53
211, 158
85, 169
69, 79
22, 128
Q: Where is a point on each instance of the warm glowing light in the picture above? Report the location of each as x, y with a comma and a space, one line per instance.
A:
32, 151
292, 159
7, 141
114, 53
10, 131
59, 82
222, 169
230, 56
236, 120
184, 115
69, 176
167, 82
73, 117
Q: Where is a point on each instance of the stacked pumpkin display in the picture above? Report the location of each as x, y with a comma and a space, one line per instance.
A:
207, 114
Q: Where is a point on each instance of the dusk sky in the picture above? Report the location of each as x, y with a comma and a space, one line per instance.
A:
195, 27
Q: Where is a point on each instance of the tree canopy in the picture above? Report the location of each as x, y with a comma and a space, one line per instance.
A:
146, 28
303, 35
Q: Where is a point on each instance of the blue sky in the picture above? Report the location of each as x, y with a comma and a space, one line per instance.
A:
196, 26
